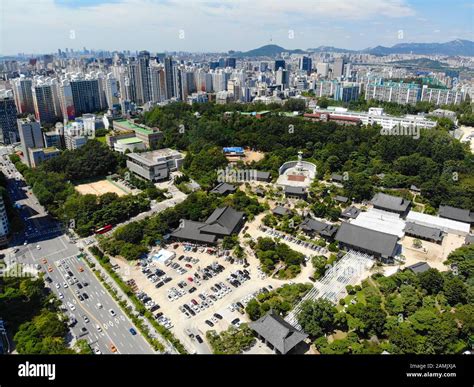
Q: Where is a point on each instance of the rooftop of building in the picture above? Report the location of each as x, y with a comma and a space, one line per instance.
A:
132, 126
132, 140
152, 157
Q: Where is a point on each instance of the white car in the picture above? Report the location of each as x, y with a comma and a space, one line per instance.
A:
38, 247
61, 296
99, 329
97, 351
112, 313
99, 305
58, 286
65, 285
71, 306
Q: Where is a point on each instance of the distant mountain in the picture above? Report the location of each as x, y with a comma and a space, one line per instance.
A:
268, 50
330, 49
455, 47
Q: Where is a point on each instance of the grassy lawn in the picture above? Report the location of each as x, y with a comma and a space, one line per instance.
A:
101, 139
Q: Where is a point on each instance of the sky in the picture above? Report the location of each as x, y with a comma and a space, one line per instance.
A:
43, 26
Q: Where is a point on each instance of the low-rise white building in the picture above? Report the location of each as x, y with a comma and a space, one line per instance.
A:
377, 116
443, 224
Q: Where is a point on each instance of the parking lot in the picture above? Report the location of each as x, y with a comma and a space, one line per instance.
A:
295, 241
198, 290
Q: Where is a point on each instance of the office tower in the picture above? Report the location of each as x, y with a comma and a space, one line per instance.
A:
23, 94
221, 62
169, 77
230, 62
282, 78
4, 226
8, 125
85, 95
144, 91
31, 137
263, 66
213, 65
322, 69
66, 101
305, 64
53, 139
36, 156
338, 68
44, 102
280, 63
111, 90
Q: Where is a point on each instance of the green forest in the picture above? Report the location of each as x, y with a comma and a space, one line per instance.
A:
426, 313
32, 316
439, 165
53, 184
134, 239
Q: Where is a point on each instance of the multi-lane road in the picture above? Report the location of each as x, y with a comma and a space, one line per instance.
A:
45, 247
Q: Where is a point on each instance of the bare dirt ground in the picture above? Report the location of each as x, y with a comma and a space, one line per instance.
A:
431, 253
99, 188
253, 156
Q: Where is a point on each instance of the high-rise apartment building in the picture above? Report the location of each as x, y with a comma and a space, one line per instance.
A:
338, 68
441, 96
111, 90
4, 225
66, 101
23, 94
144, 94
169, 77
188, 83
8, 124
86, 96
322, 69
44, 102
401, 93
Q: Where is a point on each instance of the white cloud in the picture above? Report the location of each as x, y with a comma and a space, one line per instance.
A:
42, 25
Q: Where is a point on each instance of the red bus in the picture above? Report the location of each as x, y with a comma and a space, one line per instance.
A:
103, 230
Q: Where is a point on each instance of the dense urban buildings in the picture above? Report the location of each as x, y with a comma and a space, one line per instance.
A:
280, 200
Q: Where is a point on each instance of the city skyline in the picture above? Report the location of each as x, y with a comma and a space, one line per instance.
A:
191, 26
